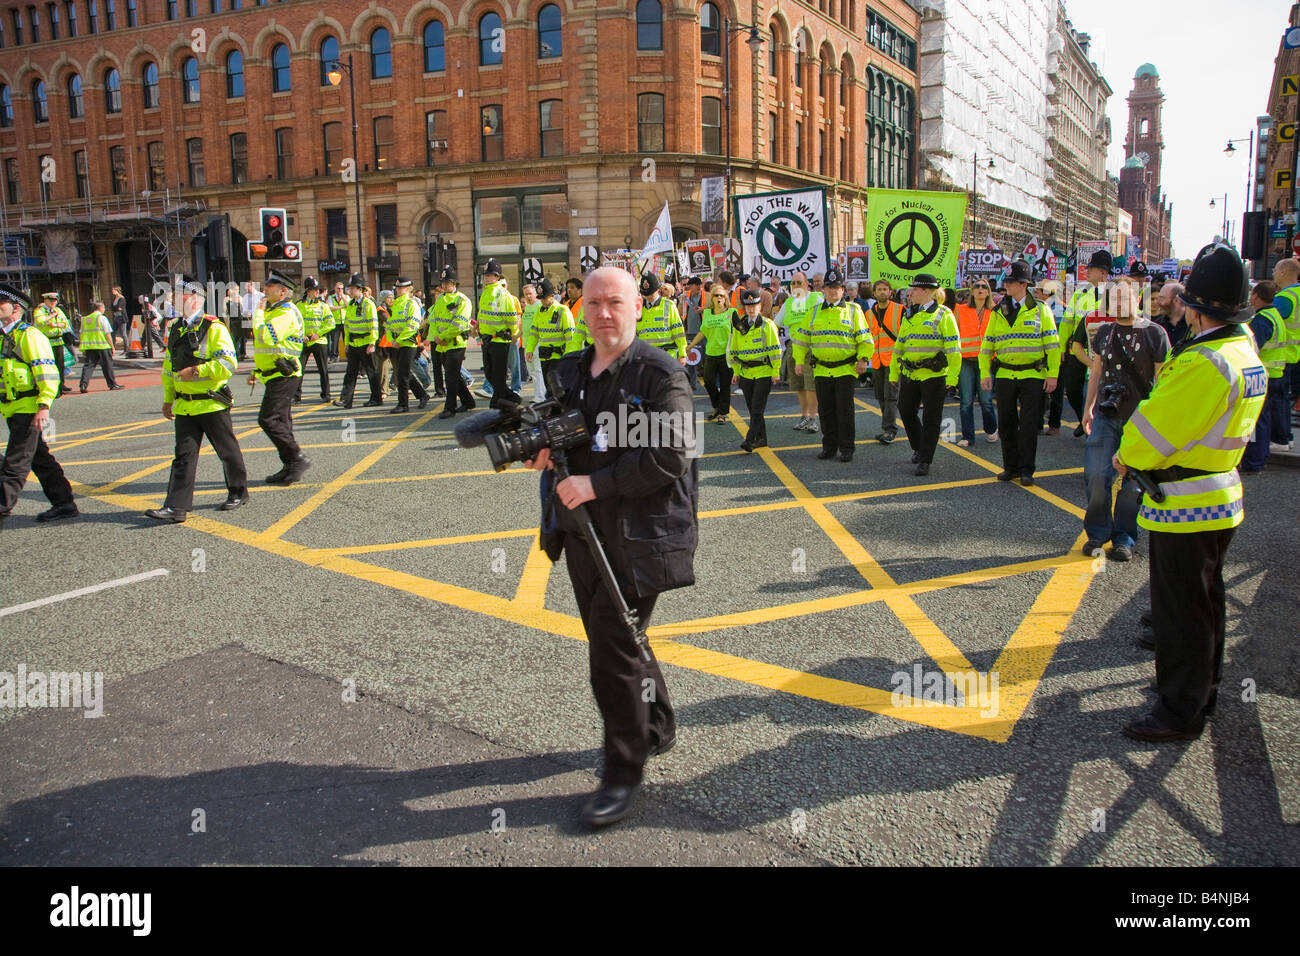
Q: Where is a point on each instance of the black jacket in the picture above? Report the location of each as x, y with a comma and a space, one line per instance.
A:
646, 497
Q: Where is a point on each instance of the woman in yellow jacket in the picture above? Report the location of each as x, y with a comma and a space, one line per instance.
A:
754, 352
927, 359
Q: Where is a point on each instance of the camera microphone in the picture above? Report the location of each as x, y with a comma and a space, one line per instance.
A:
472, 432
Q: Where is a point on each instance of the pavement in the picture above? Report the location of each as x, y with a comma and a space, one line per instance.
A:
377, 667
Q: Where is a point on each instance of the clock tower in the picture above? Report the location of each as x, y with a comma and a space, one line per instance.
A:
1139, 180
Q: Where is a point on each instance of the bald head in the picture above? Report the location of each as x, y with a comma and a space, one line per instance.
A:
1286, 272
611, 306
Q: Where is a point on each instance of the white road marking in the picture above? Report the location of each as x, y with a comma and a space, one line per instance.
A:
67, 595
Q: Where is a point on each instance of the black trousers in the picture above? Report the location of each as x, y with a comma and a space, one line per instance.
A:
58, 359
631, 694
496, 358
1020, 415
403, 356
547, 365
276, 415
1070, 385
1187, 614
922, 432
756, 391
717, 382
435, 369
452, 359
336, 334
25, 453
835, 411
97, 358
190, 431
319, 350
359, 360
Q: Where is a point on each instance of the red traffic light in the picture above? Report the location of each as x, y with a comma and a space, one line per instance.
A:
273, 222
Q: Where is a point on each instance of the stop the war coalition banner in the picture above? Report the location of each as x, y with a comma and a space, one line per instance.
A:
784, 233
913, 231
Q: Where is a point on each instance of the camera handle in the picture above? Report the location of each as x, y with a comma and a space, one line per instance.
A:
561, 462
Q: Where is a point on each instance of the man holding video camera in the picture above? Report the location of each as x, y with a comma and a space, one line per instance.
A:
642, 502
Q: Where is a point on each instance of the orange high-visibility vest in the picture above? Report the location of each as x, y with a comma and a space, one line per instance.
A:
884, 337
971, 329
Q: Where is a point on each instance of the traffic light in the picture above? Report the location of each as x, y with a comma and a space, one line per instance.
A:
272, 244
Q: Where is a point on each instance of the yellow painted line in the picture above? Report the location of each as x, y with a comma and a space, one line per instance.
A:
427, 542
106, 428
531, 593
120, 432
336, 485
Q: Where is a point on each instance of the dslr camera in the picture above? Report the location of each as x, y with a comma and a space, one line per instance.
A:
1111, 396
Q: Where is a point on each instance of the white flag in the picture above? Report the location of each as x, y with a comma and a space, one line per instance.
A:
661, 237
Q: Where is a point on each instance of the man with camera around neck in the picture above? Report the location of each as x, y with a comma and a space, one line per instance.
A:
642, 499
1126, 356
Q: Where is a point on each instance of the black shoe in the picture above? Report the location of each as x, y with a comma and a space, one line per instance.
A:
233, 502
1079, 432
1153, 731
1004, 476
1146, 639
746, 446
296, 469
923, 468
341, 404
846, 456
1093, 548
64, 390
116, 388
826, 454
467, 408
398, 408
424, 401
439, 393
372, 403
83, 390
761, 443
1121, 552
610, 804
166, 514
916, 457
279, 476
58, 512
663, 746
1027, 481
448, 414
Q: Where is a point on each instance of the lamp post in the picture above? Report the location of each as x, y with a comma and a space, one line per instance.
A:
1250, 163
335, 78
755, 42
1224, 233
975, 197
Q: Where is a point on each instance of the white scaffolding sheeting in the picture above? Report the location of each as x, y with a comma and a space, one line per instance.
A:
984, 88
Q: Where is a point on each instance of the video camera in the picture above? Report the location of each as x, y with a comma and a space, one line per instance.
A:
518, 432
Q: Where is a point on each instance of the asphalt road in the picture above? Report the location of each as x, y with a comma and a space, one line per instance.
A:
375, 667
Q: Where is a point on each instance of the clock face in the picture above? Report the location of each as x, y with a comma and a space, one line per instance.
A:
1145, 157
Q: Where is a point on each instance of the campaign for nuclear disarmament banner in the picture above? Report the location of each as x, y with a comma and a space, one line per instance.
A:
913, 231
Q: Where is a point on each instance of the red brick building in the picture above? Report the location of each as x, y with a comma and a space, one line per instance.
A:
519, 130
1139, 181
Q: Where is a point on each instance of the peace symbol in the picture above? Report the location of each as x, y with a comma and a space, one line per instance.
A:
906, 250
783, 239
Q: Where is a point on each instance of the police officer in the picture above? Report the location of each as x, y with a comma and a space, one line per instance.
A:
1273, 342
277, 349
200, 359
1021, 338
361, 326
926, 360
27, 390
97, 347
403, 327
317, 325
660, 324
841, 345
642, 501
1188, 437
498, 326
49, 319
449, 327
754, 352
552, 332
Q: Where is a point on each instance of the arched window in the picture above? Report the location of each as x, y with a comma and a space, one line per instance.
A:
710, 30
381, 54
649, 25
6, 108
280, 82
76, 101
112, 92
1145, 129
234, 75
329, 55
150, 78
771, 48
550, 41
435, 47
491, 40
40, 107
190, 81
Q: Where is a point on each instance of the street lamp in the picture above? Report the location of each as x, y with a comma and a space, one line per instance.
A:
975, 193
1224, 233
335, 78
755, 41
1250, 162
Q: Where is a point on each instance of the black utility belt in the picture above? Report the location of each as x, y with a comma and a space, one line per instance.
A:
18, 396
1039, 366
746, 364
1179, 473
669, 348
848, 361
223, 396
938, 362
548, 352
